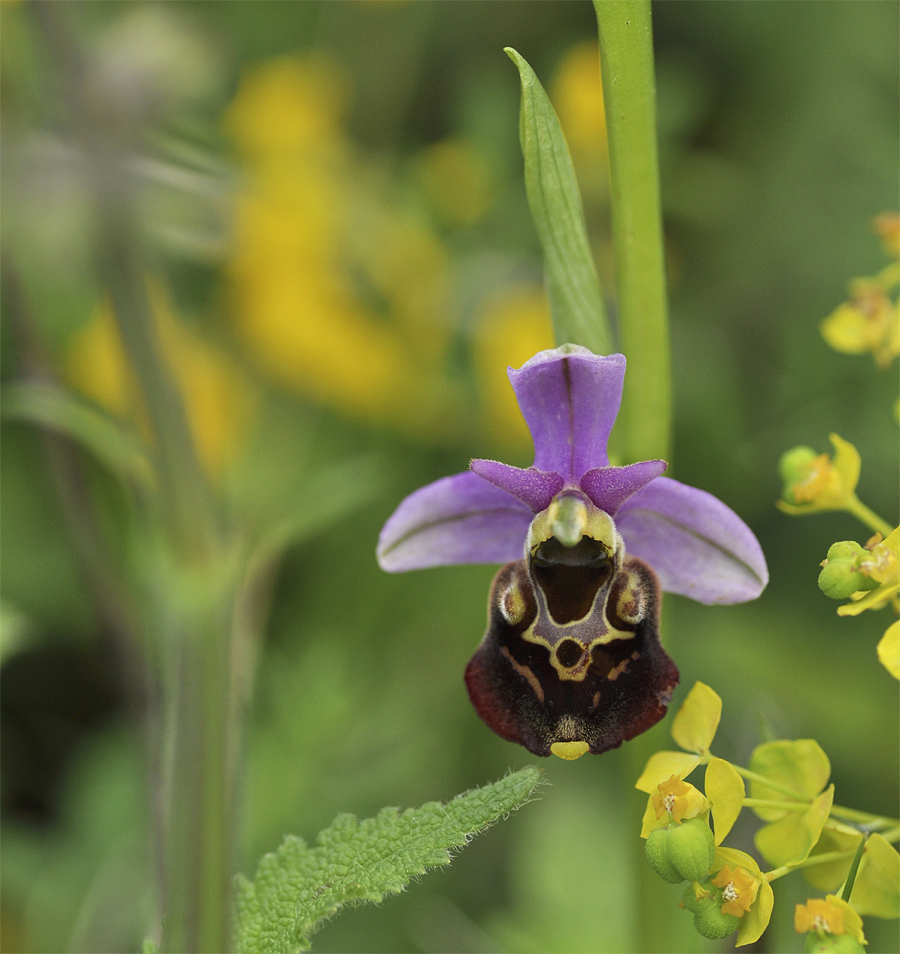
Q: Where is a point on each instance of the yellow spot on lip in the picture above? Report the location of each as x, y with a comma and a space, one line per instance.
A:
569, 750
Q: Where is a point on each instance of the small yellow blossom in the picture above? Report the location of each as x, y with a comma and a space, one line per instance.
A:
739, 890
818, 915
814, 483
830, 914
676, 797
868, 322
670, 797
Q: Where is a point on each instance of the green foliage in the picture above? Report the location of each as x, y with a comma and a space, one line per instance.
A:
297, 887
571, 279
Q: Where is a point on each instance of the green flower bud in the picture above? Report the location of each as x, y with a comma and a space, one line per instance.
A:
695, 905
794, 467
690, 849
841, 577
713, 924
658, 857
839, 943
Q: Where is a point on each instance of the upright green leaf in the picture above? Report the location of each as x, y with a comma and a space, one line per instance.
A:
297, 887
573, 288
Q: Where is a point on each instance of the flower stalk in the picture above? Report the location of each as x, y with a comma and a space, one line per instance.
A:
186, 579
629, 89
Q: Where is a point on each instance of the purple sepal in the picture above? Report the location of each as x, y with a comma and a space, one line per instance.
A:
697, 545
610, 487
533, 487
569, 398
458, 519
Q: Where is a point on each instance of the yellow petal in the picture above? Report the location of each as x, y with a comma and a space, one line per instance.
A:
846, 462
695, 723
661, 765
725, 789
889, 649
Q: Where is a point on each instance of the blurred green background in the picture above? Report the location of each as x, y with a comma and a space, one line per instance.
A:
345, 265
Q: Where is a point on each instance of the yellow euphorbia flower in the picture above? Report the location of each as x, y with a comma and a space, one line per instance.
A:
813, 483
830, 914
739, 890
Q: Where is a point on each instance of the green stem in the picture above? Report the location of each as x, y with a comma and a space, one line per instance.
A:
772, 803
626, 60
826, 856
769, 783
189, 584
868, 516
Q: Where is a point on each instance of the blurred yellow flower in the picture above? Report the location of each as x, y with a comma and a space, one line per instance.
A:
513, 325
889, 649
338, 294
577, 96
870, 320
216, 394
813, 483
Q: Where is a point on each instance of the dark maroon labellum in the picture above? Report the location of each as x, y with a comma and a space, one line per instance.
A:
572, 651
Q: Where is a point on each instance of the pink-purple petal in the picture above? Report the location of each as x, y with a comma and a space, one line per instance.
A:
610, 487
458, 519
696, 544
569, 398
533, 487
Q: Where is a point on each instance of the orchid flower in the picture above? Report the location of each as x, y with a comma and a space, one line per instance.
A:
572, 661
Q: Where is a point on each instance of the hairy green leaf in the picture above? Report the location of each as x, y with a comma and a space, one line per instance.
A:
573, 288
297, 886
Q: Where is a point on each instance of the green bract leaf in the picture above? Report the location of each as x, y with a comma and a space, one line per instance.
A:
662, 765
756, 920
297, 887
725, 789
830, 875
799, 769
876, 890
573, 288
789, 840
695, 723
60, 410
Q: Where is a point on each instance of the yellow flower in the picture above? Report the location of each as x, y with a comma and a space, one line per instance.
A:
868, 322
512, 326
577, 96
830, 914
813, 483
739, 890
745, 880
336, 291
673, 797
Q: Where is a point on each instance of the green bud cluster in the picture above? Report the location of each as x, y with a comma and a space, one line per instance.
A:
709, 920
841, 575
682, 852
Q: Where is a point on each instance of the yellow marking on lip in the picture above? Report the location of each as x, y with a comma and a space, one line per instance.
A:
526, 673
569, 750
